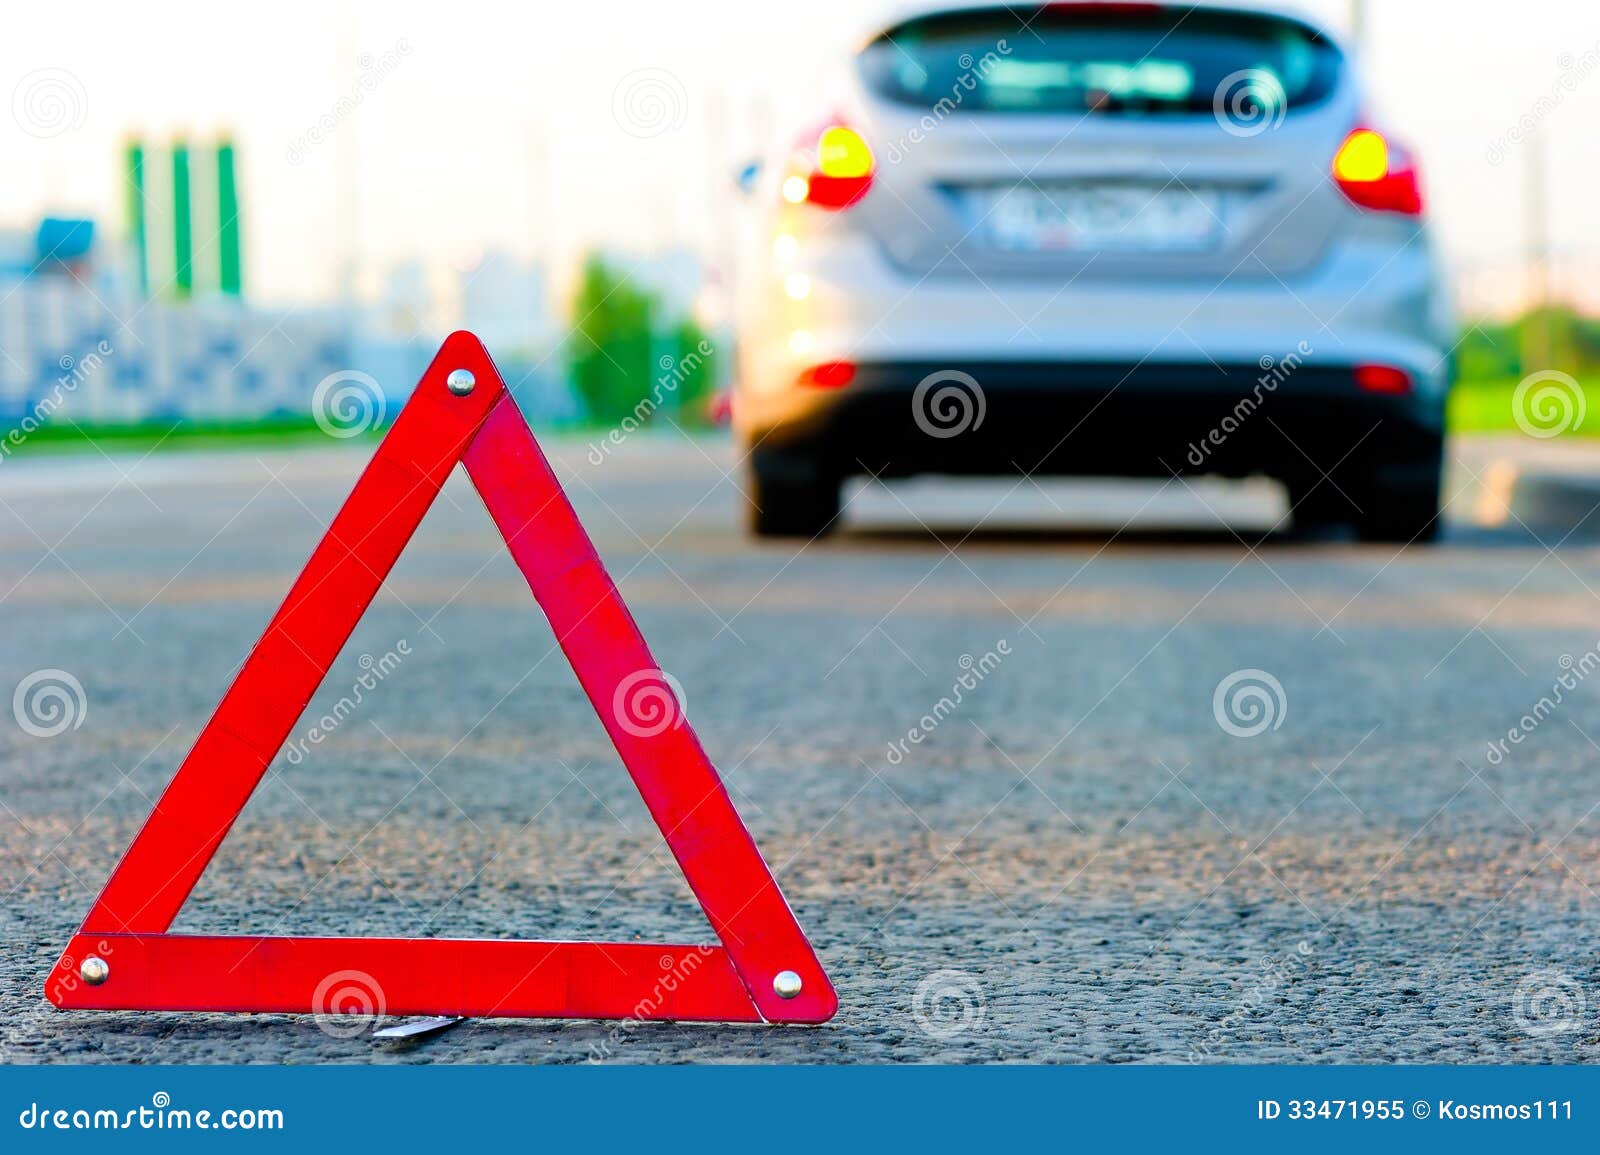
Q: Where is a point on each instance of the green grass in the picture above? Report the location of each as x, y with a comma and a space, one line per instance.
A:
176, 434
1485, 407
1482, 406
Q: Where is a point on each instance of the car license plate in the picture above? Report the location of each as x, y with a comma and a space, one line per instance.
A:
1126, 216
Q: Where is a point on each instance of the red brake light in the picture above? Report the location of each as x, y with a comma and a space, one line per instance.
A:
834, 170
829, 375
1376, 174
1382, 379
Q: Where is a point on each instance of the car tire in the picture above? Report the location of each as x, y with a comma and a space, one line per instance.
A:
1401, 515
1401, 502
791, 506
1317, 505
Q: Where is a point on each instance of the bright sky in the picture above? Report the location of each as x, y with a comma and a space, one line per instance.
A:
495, 127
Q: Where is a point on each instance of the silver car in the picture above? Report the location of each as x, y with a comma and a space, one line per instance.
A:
1096, 238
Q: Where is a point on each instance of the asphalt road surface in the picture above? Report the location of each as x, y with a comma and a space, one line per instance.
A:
1208, 794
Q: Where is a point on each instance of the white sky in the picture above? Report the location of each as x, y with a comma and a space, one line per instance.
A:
496, 130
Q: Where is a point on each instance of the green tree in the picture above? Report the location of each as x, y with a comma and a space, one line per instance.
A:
610, 351
694, 368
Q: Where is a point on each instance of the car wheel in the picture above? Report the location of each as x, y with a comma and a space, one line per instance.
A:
1402, 514
791, 506
1401, 503
1316, 505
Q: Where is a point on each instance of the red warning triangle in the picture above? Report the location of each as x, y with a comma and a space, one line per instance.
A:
123, 957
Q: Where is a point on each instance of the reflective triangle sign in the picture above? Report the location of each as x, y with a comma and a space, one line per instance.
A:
762, 969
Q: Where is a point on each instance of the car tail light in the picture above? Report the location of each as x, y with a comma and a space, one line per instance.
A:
1376, 174
829, 375
834, 170
1382, 379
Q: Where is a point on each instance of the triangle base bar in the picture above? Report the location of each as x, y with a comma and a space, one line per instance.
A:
459, 414
476, 978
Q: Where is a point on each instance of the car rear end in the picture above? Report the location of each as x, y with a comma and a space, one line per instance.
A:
1132, 239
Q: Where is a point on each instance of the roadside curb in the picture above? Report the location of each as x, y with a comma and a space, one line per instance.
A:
1562, 504
1552, 504
1548, 488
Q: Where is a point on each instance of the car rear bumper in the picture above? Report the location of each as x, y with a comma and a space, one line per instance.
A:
1370, 299
1149, 419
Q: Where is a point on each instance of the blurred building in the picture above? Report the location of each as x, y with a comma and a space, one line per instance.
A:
674, 277
157, 326
81, 340
506, 302
406, 303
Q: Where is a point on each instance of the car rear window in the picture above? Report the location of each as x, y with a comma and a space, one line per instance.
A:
1140, 60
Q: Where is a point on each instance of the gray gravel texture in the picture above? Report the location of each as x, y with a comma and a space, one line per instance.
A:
1079, 863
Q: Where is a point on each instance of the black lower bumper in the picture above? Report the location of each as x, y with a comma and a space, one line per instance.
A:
1146, 420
